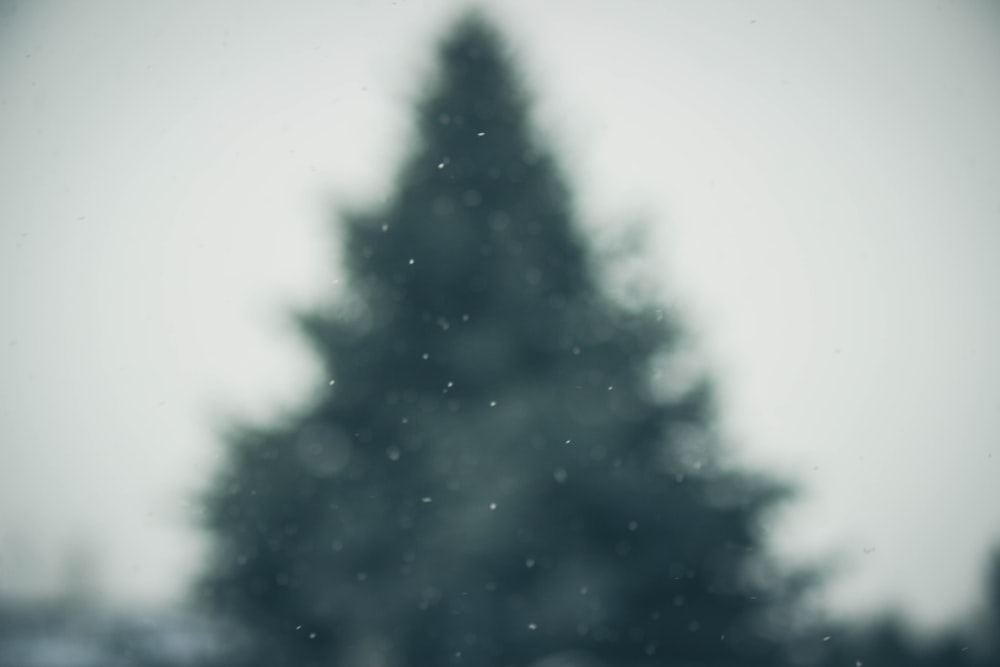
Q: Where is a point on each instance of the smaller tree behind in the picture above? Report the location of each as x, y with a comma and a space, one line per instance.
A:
889, 642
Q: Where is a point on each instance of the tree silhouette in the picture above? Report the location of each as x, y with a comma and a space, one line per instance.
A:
495, 475
890, 643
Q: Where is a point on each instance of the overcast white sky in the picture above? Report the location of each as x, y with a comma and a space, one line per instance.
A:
821, 184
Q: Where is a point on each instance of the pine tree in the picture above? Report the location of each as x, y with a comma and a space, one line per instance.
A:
494, 475
891, 642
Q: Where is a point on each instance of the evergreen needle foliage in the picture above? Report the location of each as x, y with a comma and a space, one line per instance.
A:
496, 476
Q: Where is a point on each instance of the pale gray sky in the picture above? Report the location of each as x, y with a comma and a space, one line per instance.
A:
821, 185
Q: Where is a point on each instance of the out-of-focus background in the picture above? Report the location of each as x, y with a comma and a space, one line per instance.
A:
819, 186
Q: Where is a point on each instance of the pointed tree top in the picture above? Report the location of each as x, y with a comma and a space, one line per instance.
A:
477, 84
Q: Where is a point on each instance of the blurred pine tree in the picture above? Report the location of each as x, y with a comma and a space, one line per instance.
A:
496, 477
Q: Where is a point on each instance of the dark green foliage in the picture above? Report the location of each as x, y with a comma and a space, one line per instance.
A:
890, 643
495, 478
